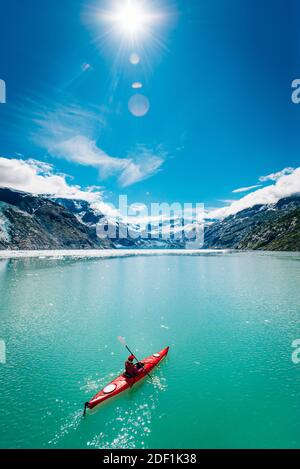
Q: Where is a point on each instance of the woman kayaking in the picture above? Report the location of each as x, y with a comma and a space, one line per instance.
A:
132, 369
137, 372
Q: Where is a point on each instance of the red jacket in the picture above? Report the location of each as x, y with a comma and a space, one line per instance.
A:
130, 368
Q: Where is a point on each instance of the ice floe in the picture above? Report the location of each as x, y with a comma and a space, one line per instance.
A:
107, 253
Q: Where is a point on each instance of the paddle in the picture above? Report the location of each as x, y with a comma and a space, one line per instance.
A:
85, 407
123, 342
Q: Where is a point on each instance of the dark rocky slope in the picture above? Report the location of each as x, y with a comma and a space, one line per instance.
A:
31, 222
268, 227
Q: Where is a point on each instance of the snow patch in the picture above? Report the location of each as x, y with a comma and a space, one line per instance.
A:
4, 225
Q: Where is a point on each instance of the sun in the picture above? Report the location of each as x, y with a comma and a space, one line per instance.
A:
130, 18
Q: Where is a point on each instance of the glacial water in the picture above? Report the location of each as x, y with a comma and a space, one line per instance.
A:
229, 380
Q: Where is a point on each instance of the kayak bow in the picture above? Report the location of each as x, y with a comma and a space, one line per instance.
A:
122, 382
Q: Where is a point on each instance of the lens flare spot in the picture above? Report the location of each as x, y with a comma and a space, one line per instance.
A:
139, 105
136, 85
134, 59
85, 67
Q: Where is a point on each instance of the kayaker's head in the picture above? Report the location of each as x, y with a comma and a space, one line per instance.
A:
131, 358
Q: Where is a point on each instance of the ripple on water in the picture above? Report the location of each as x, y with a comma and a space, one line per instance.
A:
130, 427
127, 427
71, 423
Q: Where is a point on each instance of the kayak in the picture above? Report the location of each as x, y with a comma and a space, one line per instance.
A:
122, 382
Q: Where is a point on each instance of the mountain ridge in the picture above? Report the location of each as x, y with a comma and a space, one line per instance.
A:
29, 221
33, 222
256, 227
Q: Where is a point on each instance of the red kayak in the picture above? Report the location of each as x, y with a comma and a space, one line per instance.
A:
122, 383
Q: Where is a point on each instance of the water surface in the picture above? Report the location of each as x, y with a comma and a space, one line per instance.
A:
229, 381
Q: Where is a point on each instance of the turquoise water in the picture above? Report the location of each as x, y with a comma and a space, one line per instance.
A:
229, 381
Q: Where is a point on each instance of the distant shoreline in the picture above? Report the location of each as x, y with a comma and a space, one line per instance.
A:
106, 253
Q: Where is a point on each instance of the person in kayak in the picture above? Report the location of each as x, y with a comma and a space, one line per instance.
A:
131, 369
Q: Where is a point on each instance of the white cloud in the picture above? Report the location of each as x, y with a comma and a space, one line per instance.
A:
246, 189
143, 163
58, 122
84, 151
276, 176
37, 177
227, 201
285, 186
137, 166
70, 132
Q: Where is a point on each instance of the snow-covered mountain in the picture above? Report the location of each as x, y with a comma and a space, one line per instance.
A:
38, 222
127, 233
268, 227
33, 222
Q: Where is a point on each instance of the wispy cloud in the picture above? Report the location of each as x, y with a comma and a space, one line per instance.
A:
143, 162
276, 176
245, 189
72, 133
83, 151
37, 177
58, 122
285, 185
139, 164
227, 201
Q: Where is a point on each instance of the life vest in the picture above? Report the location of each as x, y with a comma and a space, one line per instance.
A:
130, 368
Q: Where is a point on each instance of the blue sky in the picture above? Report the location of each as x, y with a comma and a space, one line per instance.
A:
217, 75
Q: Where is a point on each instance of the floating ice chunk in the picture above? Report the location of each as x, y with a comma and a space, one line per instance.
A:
2, 352
109, 253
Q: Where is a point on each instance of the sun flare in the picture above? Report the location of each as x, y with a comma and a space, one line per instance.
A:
130, 18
